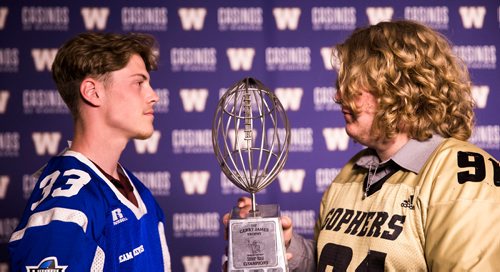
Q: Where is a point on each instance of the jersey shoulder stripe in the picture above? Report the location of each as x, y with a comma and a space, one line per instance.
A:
43, 218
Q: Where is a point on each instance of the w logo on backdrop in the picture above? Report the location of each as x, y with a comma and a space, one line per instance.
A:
291, 180
46, 142
472, 17
149, 145
290, 98
287, 18
379, 14
195, 182
95, 18
194, 99
192, 18
336, 139
240, 58
196, 263
43, 58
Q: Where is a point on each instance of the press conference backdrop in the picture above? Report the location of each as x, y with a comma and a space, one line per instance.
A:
205, 47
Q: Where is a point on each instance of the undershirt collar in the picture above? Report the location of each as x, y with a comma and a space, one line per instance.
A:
122, 184
412, 156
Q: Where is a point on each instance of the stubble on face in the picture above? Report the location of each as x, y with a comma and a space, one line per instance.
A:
359, 123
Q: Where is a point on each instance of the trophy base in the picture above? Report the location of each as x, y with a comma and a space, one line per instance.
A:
256, 242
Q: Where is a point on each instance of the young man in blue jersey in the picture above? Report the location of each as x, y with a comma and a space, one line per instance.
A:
419, 197
87, 212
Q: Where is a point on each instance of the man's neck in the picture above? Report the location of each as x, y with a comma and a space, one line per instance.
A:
388, 148
99, 147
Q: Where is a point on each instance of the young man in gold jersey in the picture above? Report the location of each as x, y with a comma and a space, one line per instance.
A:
419, 197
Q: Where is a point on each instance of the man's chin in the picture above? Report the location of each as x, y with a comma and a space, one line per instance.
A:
144, 136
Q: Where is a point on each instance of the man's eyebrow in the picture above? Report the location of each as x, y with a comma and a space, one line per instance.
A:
140, 75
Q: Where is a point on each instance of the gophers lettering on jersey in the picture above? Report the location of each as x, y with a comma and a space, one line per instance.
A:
361, 223
362, 232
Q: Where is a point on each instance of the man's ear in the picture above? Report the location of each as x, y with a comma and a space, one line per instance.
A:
89, 89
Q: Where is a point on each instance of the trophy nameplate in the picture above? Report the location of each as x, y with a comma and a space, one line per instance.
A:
256, 242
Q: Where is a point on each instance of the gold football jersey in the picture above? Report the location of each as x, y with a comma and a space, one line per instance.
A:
446, 218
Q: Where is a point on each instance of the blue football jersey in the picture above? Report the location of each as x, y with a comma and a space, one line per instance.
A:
77, 220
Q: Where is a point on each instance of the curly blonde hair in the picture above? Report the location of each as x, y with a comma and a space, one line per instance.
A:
421, 87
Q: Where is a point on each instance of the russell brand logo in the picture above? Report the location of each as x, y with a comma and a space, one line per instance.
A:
118, 216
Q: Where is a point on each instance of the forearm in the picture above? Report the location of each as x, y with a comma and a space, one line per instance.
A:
303, 254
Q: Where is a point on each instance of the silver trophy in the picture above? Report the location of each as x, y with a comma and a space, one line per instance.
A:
251, 136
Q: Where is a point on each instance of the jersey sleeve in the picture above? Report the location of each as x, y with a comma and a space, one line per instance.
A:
60, 225
62, 242
462, 218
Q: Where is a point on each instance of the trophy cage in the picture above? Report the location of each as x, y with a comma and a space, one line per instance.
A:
250, 135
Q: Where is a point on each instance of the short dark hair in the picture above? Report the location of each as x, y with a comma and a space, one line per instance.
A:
95, 55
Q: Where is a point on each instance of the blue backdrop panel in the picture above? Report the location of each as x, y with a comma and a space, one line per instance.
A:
205, 47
